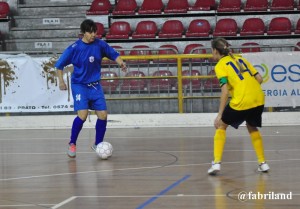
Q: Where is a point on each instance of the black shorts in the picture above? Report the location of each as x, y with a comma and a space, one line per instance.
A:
235, 118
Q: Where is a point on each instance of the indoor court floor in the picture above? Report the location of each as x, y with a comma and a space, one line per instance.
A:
151, 168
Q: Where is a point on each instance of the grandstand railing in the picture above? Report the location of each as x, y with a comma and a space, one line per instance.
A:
180, 97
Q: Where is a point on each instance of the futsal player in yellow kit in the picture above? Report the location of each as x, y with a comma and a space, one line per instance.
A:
239, 79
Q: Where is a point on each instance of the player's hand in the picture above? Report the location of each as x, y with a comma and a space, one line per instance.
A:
217, 121
62, 86
123, 67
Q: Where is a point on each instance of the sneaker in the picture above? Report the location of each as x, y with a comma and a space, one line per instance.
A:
214, 169
263, 167
72, 151
94, 147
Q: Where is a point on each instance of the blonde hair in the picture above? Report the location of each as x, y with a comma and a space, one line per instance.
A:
222, 46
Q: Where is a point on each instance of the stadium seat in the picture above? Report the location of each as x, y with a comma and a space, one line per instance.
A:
164, 84
282, 5
145, 29
109, 85
151, 7
195, 82
125, 7
280, 26
256, 5
142, 51
203, 5
253, 26
297, 29
109, 62
177, 6
297, 47
298, 5
167, 49
171, 29
212, 84
198, 28
226, 27
229, 6
4, 9
191, 49
99, 7
119, 30
100, 31
250, 49
134, 84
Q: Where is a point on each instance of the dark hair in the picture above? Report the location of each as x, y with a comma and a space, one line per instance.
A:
88, 26
221, 45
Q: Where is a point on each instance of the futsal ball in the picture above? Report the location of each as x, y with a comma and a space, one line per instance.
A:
104, 150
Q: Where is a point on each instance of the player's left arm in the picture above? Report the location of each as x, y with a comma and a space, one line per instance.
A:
121, 63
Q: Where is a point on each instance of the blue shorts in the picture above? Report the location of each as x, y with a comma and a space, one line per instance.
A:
88, 96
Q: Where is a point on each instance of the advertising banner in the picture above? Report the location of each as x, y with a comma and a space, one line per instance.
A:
281, 74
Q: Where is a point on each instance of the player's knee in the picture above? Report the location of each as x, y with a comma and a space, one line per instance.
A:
102, 115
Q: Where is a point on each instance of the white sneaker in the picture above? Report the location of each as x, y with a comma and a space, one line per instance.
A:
214, 169
263, 167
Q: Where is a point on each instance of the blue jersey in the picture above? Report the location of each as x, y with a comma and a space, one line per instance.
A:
86, 59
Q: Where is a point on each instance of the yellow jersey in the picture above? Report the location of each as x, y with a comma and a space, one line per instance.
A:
244, 89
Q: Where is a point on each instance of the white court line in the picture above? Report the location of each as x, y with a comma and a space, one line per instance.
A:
64, 202
149, 151
154, 137
137, 168
123, 196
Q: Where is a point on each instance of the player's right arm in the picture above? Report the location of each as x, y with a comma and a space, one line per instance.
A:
61, 82
64, 60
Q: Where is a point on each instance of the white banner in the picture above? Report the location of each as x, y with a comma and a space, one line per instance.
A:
29, 84
281, 73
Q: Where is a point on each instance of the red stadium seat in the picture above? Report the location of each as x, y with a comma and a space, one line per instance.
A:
203, 5
198, 28
125, 7
4, 9
167, 49
299, 5
282, 5
119, 30
145, 29
109, 85
297, 47
250, 49
256, 5
99, 7
142, 51
280, 26
171, 29
195, 82
176, 6
163, 83
191, 49
229, 6
212, 84
226, 27
297, 30
134, 84
151, 7
253, 26
109, 62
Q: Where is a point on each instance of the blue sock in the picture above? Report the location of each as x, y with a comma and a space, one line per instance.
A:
76, 128
100, 130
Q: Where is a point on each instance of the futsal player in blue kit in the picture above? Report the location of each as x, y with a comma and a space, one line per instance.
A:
86, 55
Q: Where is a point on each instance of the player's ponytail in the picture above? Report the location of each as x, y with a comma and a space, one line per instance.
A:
222, 46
